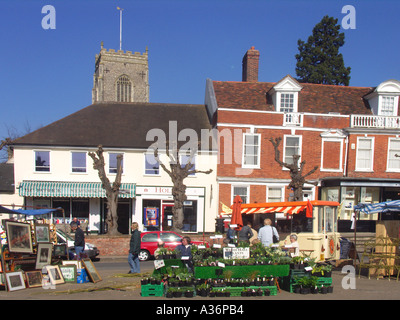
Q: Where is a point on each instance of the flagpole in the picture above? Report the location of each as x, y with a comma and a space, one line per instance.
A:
120, 27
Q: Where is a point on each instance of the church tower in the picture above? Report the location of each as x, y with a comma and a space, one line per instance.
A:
121, 76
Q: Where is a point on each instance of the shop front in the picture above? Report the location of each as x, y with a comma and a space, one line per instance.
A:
350, 192
82, 200
154, 206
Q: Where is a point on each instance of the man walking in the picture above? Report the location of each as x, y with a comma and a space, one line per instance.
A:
134, 249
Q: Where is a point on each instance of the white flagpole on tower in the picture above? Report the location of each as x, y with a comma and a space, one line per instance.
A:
120, 27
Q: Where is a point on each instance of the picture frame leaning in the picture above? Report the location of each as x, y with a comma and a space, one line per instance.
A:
44, 254
15, 281
19, 237
42, 233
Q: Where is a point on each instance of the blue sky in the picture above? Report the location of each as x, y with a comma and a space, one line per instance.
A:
46, 75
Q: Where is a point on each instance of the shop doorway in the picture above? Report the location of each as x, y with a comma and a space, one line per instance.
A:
167, 216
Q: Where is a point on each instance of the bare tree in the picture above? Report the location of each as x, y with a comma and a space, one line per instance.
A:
296, 171
178, 173
112, 190
6, 143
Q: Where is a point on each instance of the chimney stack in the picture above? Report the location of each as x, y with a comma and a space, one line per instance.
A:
250, 65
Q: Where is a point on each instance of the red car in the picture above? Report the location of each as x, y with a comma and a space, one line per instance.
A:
151, 239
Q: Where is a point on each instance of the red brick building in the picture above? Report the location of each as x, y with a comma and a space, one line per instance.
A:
351, 133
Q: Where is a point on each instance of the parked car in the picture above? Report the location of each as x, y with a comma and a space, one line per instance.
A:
150, 240
90, 250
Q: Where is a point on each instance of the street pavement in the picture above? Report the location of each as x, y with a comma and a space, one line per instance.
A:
117, 285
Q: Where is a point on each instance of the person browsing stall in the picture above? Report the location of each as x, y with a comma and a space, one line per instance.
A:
79, 242
265, 234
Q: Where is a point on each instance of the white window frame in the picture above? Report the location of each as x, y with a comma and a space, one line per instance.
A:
282, 188
284, 147
34, 161
371, 167
388, 169
395, 101
144, 165
109, 162
257, 164
183, 163
72, 164
233, 186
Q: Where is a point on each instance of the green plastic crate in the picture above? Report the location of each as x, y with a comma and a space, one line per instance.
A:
152, 290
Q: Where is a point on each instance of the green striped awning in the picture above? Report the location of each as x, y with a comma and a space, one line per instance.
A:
71, 189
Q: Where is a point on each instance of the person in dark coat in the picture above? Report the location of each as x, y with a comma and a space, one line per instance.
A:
185, 252
79, 242
245, 233
134, 249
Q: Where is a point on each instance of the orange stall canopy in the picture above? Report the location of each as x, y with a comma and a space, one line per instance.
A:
285, 207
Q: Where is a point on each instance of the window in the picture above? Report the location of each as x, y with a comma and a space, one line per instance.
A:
124, 89
169, 237
152, 167
78, 161
150, 237
292, 147
393, 162
364, 158
387, 107
112, 167
287, 102
42, 161
251, 150
274, 195
184, 161
241, 191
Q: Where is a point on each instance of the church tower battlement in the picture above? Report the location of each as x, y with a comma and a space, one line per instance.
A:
121, 76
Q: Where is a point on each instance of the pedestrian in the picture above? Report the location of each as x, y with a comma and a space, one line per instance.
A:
79, 242
160, 246
293, 247
134, 249
245, 233
266, 233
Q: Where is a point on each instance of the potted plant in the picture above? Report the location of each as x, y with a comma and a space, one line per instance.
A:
202, 290
267, 292
188, 293
211, 293
170, 293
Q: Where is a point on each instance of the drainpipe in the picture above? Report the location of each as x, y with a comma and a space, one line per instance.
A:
345, 156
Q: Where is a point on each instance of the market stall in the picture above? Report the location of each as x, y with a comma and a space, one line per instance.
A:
31, 256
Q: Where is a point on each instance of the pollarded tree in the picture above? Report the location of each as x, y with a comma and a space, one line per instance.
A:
112, 190
319, 60
178, 172
298, 179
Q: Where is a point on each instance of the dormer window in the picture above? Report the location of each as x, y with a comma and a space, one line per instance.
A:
287, 102
384, 100
387, 106
285, 95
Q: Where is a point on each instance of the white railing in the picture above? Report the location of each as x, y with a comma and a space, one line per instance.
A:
368, 121
293, 119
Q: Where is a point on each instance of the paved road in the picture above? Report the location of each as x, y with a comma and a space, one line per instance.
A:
117, 285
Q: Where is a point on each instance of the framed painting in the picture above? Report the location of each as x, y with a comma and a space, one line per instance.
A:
55, 275
33, 278
60, 250
42, 233
44, 254
69, 272
19, 237
77, 263
15, 281
91, 270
